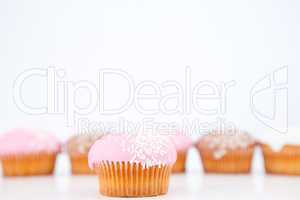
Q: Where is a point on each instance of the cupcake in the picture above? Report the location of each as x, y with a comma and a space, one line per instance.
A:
133, 165
281, 152
226, 152
182, 144
28, 153
78, 147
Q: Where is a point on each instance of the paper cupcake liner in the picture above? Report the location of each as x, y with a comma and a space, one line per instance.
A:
28, 165
284, 162
79, 165
234, 161
179, 166
120, 179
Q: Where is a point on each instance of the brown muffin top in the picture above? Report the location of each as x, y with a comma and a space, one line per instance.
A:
81, 144
222, 142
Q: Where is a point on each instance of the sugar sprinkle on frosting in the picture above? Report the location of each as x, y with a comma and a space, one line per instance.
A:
145, 149
222, 142
81, 144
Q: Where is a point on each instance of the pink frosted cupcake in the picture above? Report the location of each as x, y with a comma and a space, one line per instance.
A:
28, 153
133, 165
182, 144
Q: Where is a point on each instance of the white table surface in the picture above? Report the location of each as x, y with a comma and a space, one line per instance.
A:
193, 185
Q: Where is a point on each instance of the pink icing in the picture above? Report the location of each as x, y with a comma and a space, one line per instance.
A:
181, 141
146, 149
21, 141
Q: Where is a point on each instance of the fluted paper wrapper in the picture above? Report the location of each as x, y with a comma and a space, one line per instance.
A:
283, 162
79, 165
120, 179
28, 165
179, 166
233, 162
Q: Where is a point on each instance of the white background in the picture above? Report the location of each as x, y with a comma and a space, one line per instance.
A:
151, 40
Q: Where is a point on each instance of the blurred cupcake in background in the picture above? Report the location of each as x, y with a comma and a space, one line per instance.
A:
281, 152
136, 165
230, 151
28, 153
182, 144
78, 147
